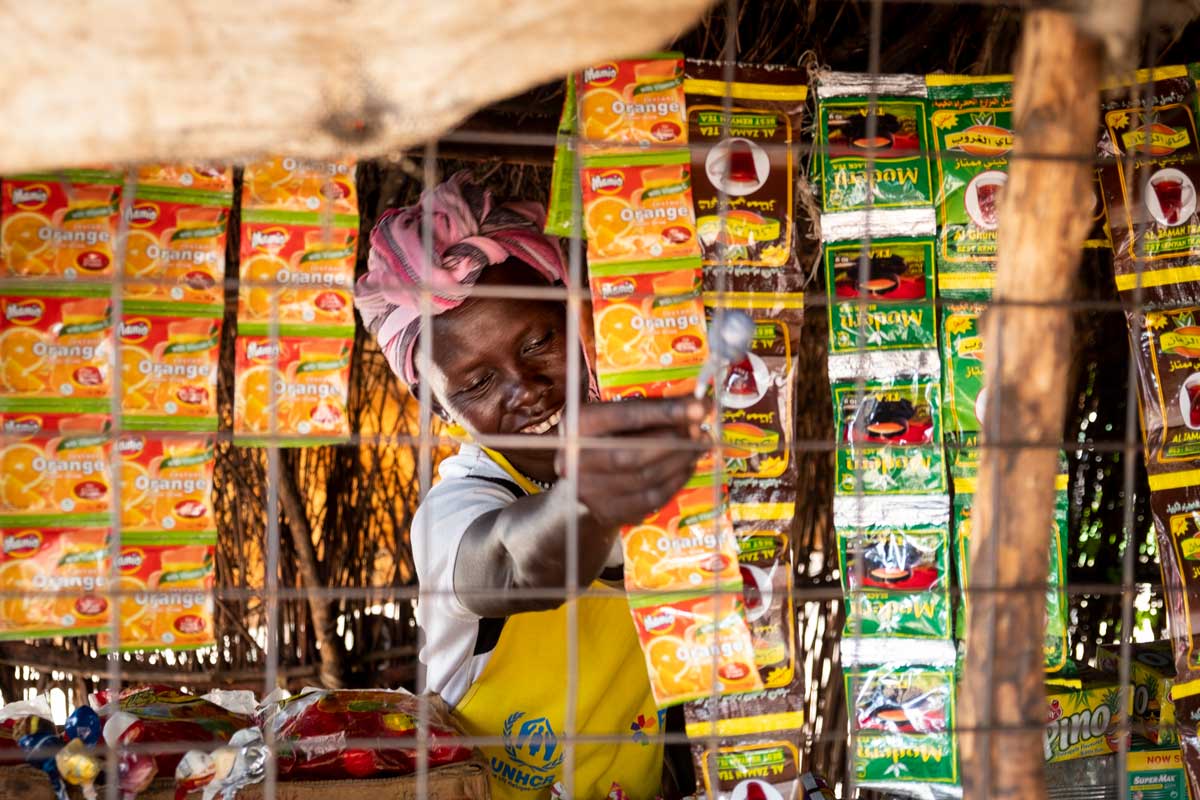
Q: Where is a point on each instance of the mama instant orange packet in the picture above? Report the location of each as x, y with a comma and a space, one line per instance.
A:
197, 177
54, 466
175, 248
687, 642
59, 226
306, 377
169, 370
650, 327
288, 183
688, 544
52, 582
639, 211
296, 269
54, 352
632, 104
164, 592
166, 483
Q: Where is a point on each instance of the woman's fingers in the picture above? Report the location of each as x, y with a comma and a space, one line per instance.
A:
651, 472
683, 415
632, 452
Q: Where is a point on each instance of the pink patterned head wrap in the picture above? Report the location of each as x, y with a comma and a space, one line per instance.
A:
470, 232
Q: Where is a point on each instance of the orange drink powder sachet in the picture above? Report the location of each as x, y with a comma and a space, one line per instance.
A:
195, 177
54, 352
52, 581
295, 268
166, 483
284, 183
175, 249
60, 226
169, 368
165, 599
54, 466
628, 105
639, 211
309, 378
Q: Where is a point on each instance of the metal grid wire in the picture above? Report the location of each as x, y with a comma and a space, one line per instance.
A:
817, 593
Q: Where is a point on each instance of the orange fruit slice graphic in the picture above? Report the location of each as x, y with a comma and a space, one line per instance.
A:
20, 364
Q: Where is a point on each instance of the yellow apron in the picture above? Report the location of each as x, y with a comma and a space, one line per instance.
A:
521, 695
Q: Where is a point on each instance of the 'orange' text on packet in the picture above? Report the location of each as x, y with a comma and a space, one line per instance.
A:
54, 465
639, 213
169, 368
287, 183
305, 271
688, 544
175, 249
55, 349
626, 105
54, 581
310, 381
166, 483
53, 228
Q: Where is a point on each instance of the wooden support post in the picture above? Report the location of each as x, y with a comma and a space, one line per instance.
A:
1044, 219
332, 672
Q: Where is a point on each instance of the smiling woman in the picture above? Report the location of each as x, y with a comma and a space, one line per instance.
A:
490, 541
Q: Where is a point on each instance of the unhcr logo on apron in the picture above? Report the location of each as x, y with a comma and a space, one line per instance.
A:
533, 753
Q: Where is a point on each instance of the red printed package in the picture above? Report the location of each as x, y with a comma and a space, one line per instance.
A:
157, 714
312, 727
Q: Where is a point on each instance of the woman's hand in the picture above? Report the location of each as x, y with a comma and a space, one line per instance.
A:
623, 485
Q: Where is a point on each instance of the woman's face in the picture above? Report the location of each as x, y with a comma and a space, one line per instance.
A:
500, 363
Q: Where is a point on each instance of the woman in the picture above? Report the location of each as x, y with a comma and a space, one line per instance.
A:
490, 540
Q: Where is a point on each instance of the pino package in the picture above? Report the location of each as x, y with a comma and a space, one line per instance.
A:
881, 308
747, 746
1152, 674
1055, 642
1083, 720
746, 158
893, 128
903, 718
894, 559
1152, 165
971, 129
889, 435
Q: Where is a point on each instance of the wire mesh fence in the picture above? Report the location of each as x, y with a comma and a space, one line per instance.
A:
316, 577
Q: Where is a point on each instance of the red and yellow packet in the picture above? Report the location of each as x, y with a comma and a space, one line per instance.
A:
169, 368
633, 104
164, 592
166, 482
60, 226
54, 466
175, 247
639, 211
54, 352
309, 380
288, 183
650, 328
688, 544
297, 269
52, 582
192, 177
685, 640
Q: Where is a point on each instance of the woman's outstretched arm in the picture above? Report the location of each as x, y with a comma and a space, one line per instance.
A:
523, 546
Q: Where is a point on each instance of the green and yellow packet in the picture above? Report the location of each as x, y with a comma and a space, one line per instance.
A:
964, 467
894, 559
962, 370
1084, 719
971, 131
884, 303
889, 435
1152, 673
902, 720
1156, 773
887, 134
564, 179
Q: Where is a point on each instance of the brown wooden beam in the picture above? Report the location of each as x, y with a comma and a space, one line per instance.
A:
1043, 223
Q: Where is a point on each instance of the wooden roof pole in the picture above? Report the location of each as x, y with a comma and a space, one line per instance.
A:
1044, 219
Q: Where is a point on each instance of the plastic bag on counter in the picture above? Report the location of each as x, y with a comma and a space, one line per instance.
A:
315, 733
160, 715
